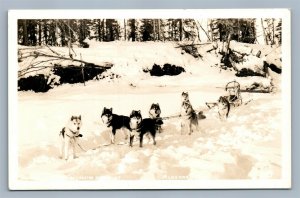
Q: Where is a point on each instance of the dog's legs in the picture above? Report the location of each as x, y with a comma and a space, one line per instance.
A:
66, 147
182, 128
158, 128
189, 128
141, 140
61, 152
196, 124
125, 133
74, 142
131, 140
153, 137
112, 136
228, 109
220, 115
148, 136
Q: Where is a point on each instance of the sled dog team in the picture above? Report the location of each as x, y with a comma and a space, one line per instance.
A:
136, 125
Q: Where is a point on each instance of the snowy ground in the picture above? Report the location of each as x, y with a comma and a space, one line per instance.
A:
245, 146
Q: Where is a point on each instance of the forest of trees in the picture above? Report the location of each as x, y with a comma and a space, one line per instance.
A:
63, 32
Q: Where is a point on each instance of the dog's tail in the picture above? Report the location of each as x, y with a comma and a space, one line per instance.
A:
62, 132
201, 116
158, 121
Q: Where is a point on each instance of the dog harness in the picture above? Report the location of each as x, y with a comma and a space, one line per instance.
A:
63, 133
138, 128
108, 124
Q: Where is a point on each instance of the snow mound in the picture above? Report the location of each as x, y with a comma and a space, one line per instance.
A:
245, 146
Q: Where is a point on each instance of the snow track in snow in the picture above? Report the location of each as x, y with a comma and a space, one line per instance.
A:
246, 145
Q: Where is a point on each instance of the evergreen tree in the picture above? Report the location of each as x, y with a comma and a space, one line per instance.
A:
242, 30
83, 31
278, 31
112, 30
133, 29
147, 30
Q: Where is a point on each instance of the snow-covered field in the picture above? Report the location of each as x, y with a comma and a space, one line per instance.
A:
245, 146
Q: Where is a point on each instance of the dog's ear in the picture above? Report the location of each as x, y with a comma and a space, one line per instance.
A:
72, 118
110, 109
132, 112
79, 117
221, 99
139, 111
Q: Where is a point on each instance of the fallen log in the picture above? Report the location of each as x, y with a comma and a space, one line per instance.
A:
255, 91
187, 45
70, 59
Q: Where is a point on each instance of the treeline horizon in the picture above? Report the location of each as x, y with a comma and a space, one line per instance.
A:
65, 32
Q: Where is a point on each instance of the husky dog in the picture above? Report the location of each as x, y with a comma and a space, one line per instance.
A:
116, 122
185, 97
141, 126
154, 113
189, 118
223, 107
69, 135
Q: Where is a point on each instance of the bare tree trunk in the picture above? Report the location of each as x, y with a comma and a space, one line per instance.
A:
273, 31
228, 44
180, 29
55, 34
69, 40
172, 29
82, 70
154, 29
103, 29
264, 33
239, 28
215, 32
210, 26
40, 32
133, 30
99, 29
206, 33
125, 33
158, 29
25, 34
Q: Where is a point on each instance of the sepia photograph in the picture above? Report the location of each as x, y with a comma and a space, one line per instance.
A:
149, 99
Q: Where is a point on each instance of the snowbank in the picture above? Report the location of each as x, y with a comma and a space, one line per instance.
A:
242, 147
245, 146
255, 56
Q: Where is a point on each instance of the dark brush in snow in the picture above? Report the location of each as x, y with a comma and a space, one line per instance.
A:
167, 69
74, 74
38, 83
